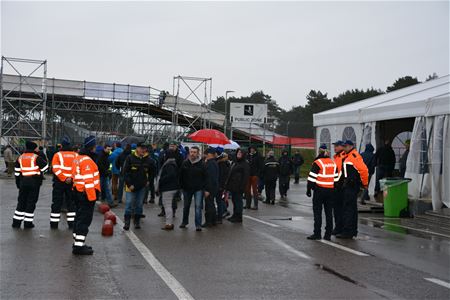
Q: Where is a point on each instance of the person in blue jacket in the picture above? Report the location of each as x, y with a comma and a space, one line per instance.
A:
117, 150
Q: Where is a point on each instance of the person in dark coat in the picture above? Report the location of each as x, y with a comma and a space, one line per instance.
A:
285, 173
369, 159
120, 161
236, 183
211, 187
297, 162
270, 175
256, 163
224, 170
385, 161
104, 167
404, 159
168, 185
192, 180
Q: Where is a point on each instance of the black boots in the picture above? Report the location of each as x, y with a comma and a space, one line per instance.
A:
70, 224
54, 225
162, 213
28, 225
16, 223
314, 237
137, 221
126, 226
82, 250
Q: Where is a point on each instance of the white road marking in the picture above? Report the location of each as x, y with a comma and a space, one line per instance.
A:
407, 227
343, 248
157, 266
261, 221
285, 246
439, 282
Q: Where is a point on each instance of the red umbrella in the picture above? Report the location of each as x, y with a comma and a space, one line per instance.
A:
209, 136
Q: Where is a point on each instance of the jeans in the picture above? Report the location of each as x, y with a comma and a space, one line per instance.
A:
134, 200
221, 205
198, 198
297, 173
105, 185
120, 188
167, 198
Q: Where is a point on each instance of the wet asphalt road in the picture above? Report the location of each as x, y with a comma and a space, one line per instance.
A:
267, 257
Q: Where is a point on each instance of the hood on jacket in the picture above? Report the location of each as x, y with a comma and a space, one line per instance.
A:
369, 148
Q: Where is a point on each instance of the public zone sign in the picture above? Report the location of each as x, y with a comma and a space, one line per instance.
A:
247, 113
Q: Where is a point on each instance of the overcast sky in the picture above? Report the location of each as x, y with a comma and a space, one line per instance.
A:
284, 49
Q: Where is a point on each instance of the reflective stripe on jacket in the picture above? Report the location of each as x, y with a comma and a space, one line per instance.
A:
323, 173
85, 176
28, 165
355, 170
62, 164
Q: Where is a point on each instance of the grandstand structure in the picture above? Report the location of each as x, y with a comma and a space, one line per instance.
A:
44, 109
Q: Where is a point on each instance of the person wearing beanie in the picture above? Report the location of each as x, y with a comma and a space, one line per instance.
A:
62, 185
86, 185
270, 173
29, 172
321, 180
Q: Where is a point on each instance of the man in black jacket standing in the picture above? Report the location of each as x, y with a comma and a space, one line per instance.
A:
224, 170
256, 163
235, 184
211, 187
385, 158
104, 167
138, 170
192, 179
270, 176
297, 162
285, 173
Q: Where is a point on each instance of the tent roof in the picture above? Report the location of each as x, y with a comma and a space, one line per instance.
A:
427, 98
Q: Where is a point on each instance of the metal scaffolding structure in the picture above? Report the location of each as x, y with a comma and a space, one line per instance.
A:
23, 117
46, 109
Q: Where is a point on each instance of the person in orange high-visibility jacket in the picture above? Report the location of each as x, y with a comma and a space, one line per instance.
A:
62, 185
86, 184
356, 176
338, 199
321, 179
29, 172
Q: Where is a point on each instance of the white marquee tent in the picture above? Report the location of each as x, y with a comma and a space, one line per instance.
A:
422, 109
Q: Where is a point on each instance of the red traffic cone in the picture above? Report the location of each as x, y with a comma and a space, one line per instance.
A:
109, 215
103, 207
107, 228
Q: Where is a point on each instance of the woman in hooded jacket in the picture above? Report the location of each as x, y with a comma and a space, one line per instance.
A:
236, 183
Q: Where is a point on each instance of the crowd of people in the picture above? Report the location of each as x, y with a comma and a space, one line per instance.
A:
212, 178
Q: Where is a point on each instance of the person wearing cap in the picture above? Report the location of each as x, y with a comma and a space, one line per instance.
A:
86, 184
338, 214
270, 173
256, 164
286, 168
29, 170
321, 180
211, 187
356, 176
138, 171
62, 185
192, 180
104, 167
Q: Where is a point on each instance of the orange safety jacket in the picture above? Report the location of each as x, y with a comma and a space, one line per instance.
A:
355, 170
86, 178
338, 158
62, 164
28, 165
323, 173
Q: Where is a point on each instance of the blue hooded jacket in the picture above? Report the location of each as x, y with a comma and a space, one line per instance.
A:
369, 158
112, 159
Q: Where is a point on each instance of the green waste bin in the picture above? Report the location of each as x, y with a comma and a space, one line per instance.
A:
395, 192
